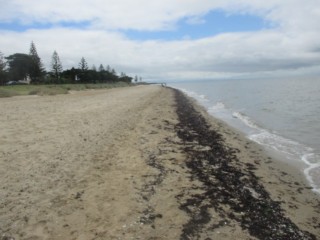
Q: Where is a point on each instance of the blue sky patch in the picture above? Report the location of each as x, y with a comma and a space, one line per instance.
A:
214, 23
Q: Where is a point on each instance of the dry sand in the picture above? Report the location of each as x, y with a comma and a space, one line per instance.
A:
109, 164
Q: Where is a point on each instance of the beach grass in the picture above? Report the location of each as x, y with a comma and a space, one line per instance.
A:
42, 90
5, 93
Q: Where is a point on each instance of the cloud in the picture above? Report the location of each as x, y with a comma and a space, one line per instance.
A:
291, 46
157, 15
123, 14
196, 20
111, 14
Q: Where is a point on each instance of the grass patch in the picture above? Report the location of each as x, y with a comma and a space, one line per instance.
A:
80, 87
48, 90
5, 93
42, 90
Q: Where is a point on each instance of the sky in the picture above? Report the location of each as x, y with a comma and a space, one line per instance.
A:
170, 39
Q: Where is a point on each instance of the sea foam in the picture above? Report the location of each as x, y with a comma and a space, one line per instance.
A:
292, 150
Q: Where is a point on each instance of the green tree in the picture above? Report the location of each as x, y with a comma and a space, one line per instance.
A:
136, 78
19, 66
36, 68
124, 78
56, 67
101, 68
83, 66
71, 75
3, 73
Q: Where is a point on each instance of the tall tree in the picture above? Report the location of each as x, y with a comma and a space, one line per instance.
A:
56, 66
101, 68
3, 65
83, 66
19, 65
36, 69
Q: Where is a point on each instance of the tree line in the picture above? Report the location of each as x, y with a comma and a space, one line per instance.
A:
29, 68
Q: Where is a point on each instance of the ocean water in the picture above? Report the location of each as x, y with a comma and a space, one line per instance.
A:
283, 115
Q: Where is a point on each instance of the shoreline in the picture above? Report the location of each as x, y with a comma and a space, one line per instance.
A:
237, 172
128, 163
292, 151
279, 158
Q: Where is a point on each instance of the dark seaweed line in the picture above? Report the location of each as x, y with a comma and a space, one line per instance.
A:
226, 181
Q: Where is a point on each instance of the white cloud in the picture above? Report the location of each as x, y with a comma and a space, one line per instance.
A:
123, 14
291, 47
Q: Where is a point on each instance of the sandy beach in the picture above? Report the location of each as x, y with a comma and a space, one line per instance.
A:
141, 162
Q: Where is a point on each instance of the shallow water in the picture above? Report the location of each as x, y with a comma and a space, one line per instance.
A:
280, 114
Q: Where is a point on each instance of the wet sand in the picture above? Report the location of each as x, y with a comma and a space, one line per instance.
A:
141, 163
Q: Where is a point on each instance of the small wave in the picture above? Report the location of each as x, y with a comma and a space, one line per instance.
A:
310, 158
217, 106
199, 97
246, 120
312, 174
203, 97
278, 143
189, 93
293, 150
